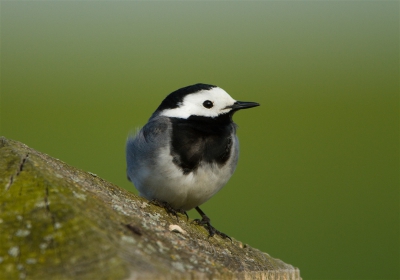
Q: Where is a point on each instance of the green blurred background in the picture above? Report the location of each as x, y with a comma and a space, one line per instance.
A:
317, 183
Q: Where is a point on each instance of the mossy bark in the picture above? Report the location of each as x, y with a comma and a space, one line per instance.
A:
59, 222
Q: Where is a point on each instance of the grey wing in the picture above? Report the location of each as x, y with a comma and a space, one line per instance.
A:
142, 148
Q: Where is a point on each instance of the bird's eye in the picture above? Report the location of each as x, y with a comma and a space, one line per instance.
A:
208, 104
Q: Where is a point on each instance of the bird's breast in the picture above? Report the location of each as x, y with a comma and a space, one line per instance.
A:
193, 143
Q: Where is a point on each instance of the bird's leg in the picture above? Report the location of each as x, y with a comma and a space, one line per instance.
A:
169, 208
205, 222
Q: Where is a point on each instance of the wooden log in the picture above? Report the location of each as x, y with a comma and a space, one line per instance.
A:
59, 222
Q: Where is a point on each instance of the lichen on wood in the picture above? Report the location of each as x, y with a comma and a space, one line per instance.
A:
59, 222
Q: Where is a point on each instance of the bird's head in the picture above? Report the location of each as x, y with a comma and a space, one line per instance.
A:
200, 100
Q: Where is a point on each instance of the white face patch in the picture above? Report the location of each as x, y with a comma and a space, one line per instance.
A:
192, 104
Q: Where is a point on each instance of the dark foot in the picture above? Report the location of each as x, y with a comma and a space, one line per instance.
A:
205, 222
169, 208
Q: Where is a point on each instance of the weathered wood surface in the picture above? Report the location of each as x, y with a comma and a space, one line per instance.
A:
59, 222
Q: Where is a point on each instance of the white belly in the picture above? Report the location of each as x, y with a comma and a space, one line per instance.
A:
166, 182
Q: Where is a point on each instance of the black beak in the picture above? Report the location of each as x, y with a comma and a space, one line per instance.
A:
243, 105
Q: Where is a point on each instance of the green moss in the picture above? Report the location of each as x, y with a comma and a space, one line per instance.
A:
45, 229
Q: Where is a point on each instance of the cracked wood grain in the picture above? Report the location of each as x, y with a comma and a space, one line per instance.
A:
19, 170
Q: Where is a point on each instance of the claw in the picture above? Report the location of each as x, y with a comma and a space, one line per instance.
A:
169, 208
205, 222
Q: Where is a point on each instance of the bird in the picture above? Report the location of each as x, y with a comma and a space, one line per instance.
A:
187, 151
